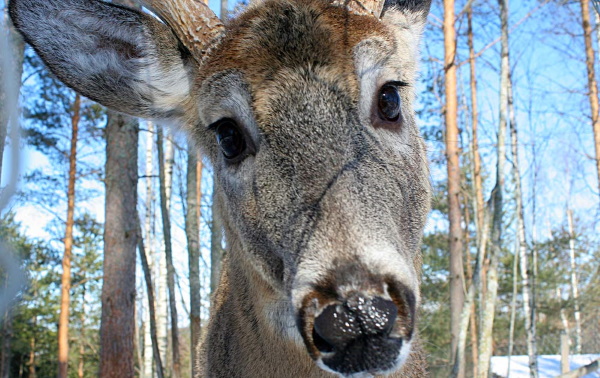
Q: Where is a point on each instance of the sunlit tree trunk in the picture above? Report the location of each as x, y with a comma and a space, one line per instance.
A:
476, 172
513, 306
452, 152
522, 243
120, 241
216, 250
192, 230
574, 284
162, 308
151, 311
80, 367
147, 367
592, 84
63, 319
31, 362
164, 206
489, 301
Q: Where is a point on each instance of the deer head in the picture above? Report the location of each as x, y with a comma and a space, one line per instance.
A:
304, 108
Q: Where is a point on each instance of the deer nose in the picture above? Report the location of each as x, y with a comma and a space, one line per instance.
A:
354, 336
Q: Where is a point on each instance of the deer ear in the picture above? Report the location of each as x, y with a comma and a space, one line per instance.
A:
123, 59
414, 11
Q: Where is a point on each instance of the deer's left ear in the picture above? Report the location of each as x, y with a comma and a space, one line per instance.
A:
407, 13
121, 58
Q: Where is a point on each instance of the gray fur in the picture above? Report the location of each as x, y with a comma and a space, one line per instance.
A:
331, 200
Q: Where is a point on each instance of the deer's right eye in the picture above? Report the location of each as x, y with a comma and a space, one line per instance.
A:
230, 139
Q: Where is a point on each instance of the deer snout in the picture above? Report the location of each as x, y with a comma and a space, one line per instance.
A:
356, 322
354, 336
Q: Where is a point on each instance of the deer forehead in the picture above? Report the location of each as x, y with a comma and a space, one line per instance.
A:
280, 41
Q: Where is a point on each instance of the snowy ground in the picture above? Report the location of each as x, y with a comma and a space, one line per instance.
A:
549, 366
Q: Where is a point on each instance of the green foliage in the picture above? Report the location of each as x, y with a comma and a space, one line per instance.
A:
35, 317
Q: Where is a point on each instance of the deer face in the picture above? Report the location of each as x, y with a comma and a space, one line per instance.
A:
305, 110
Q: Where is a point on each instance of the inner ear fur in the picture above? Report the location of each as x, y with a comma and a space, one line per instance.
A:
119, 57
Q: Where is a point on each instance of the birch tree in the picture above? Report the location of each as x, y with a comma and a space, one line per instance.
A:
149, 231
164, 207
521, 241
574, 284
497, 202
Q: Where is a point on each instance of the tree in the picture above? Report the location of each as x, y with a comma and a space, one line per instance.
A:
591, 77
216, 237
521, 241
120, 243
63, 321
164, 202
497, 202
192, 230
452, 152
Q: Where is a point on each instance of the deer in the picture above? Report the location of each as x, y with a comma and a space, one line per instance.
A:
305, 110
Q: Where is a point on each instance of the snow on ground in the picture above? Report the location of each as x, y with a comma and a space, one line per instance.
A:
548, 366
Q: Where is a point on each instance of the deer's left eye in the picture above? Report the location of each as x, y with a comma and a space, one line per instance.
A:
388, 103
230, 139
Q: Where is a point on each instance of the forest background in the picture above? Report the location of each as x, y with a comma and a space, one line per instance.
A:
507, 99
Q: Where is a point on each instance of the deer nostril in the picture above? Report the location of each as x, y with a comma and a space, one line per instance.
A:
359, 317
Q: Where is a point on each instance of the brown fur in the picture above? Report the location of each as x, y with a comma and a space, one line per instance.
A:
330, 199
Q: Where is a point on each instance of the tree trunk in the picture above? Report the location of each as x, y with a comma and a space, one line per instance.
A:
476, 173
81, 337
513, 306
574, 284
592, 84
162, 308
224, 10
489, 304
10, 82
31, 362
164, 202
6, 339
120, 241
522, 243
148, 347
63, 319
216, 237
151, 311
468, 305
452, 155
192, 230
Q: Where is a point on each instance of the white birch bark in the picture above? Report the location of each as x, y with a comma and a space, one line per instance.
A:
169, 161
522, 243
162, 309
489, 302
574, 284
148, 360
513, 307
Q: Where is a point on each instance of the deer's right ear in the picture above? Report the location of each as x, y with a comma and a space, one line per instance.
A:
123, 59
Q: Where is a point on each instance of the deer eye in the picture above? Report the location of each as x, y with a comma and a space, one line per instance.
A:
388, 103
230, 139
